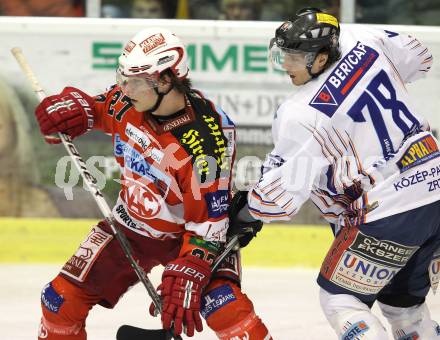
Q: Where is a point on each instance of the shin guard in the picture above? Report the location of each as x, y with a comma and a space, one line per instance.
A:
351, 318
231, 314
65, 308
411, 322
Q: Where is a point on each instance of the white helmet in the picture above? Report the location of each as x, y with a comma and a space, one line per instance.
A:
152, 51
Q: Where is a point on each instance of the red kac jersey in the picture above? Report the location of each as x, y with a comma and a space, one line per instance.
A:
175, 170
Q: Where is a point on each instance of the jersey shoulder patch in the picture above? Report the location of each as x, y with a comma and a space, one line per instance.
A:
344, 77
203, 139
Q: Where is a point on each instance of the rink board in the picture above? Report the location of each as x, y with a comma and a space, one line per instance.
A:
54, 240
228, 59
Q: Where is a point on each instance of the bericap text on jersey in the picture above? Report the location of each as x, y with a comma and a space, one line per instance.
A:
347, 65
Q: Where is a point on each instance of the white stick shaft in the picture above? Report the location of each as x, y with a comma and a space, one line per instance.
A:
21, 60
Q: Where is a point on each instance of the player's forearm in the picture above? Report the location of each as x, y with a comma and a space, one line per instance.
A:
278, 205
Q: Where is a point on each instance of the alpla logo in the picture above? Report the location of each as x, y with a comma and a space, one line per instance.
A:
419, 152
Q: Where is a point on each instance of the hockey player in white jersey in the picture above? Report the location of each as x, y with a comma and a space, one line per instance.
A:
351, 140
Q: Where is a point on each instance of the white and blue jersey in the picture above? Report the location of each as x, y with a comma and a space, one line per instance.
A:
354, 126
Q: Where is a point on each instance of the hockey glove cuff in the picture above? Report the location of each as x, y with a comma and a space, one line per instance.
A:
183, 281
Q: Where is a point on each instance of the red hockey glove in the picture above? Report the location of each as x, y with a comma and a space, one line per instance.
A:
70, 112
182, 283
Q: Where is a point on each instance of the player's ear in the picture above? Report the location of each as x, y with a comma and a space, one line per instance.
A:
321, 60
164, 80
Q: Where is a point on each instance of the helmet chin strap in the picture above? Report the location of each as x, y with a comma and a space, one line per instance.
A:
159, 99
309, 70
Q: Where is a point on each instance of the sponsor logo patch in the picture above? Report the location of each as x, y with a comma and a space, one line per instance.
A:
129, 47
355, 330
78, 266
122, 216
177, 122
344, 78
361, 275
193, 143
142, 202
434, 271
220, 141
135, 162
155, 154
231, 267
419, 152
152, 42
125, 217
411, 336
205, 142
362, 263
216, 299
230, 137
210, 246
217, 202
286, 26
51, 299
165, 60
385, 252
137, 136
141, 139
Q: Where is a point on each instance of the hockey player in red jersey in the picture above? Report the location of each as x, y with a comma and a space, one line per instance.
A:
175, 150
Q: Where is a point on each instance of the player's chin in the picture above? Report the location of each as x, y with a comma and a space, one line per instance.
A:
293, 79
138, 106
297, 81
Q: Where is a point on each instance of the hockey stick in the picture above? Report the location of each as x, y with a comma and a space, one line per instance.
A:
127, 332
90, 182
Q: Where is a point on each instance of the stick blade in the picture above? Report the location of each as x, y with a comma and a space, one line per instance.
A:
127, 332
